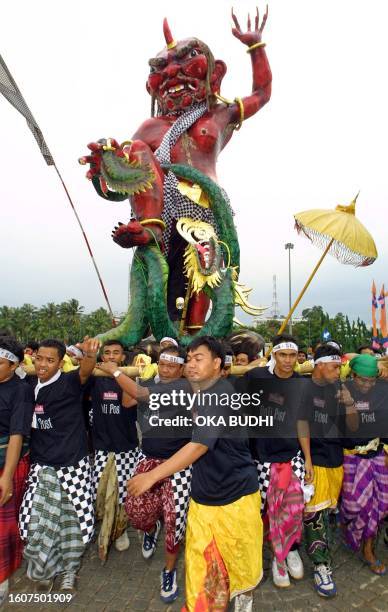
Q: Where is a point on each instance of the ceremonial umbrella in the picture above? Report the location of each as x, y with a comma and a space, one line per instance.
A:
339, 233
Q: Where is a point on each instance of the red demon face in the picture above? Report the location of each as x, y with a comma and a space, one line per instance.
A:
178, 76
183, 74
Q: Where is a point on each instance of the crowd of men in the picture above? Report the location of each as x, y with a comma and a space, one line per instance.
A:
223, 458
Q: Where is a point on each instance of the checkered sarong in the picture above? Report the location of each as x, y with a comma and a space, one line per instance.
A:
125, 466
76, 481
181, 486
264, 472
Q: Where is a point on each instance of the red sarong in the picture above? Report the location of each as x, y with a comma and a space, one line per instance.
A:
284, 516
157, 503
11, 547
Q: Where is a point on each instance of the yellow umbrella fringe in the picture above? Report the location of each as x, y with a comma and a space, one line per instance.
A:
338, 249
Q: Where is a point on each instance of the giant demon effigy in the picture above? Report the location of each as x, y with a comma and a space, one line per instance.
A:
186, 246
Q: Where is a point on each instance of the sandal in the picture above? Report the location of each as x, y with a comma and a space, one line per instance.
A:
376, 567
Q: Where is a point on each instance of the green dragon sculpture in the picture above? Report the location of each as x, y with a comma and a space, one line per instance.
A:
149, 273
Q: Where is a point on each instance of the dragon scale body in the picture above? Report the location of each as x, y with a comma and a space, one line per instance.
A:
149, 274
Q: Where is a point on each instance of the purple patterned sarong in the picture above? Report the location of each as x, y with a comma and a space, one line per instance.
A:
364, 497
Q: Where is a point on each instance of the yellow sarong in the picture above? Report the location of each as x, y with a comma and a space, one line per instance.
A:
108, 509
327, 488
224, 550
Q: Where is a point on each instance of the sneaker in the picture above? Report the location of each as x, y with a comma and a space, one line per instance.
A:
44, 586
3, 598
280, 575
295, 565
168, 586
149, 542
68, 581
243, 603
323, 581
122, 543
4, 591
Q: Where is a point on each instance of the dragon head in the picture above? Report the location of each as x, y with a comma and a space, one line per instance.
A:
202, 258
183, 74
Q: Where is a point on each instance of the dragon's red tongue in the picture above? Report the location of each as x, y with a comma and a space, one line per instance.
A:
203, 252
202, 249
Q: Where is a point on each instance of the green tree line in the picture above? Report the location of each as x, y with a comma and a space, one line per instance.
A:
69, 322
66, 321
308, 332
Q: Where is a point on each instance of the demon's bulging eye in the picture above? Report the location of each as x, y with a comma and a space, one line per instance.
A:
193, 52
152, 69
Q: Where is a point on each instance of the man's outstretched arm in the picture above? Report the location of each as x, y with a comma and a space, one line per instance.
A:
187, 455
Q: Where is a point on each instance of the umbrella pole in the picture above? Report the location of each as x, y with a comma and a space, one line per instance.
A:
325, 252
186, 305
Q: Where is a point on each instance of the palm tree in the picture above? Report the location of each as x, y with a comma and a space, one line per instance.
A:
96, 322
26, 322
49, 324
71, 313
7, 318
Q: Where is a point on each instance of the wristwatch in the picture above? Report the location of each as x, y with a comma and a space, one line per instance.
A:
117, 373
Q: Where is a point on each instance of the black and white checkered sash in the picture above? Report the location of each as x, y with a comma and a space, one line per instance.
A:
76, 481
264, 473
176, 205
181, 487
125, 466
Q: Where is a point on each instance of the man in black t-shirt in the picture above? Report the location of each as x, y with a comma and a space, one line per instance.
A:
278, 459
168, 500
57, 510
224, 527
16, 408
115, 444
364, 500
325, 406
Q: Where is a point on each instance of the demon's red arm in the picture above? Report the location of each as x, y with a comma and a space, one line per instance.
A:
261, 71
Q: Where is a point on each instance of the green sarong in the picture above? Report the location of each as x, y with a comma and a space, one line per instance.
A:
54, 542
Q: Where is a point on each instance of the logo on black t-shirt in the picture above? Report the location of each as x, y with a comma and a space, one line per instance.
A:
361, 405
319, 402
110, 395
276, 398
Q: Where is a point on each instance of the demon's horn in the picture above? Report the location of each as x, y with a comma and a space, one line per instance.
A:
167, 34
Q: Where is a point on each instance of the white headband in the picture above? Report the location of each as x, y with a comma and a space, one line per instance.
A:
334, 345
75, 351
282, 346
8, 355
171, 358
168, 339
328, 359
228, 360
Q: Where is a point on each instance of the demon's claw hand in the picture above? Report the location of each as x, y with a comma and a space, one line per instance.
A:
250, 37
97, 149
130, 235
95, 160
